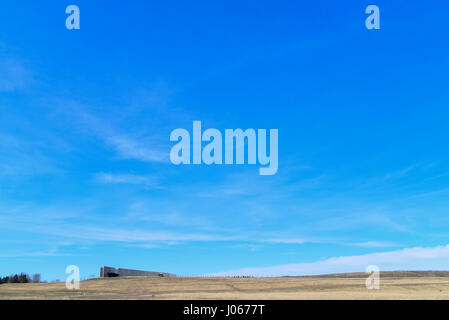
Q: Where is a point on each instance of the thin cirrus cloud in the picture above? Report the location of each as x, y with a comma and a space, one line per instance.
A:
34, 254
373, 244
120, 235
110, 178
129, 146
286, 241
53, 224
433, 258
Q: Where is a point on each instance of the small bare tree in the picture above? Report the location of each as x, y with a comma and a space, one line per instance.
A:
37, 278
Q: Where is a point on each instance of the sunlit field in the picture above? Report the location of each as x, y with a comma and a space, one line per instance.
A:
393, 285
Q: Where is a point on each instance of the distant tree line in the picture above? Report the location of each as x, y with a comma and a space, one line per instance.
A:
20, 278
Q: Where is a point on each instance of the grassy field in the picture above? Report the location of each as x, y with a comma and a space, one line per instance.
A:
393, 285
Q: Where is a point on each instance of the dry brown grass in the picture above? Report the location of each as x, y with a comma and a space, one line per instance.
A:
344, 286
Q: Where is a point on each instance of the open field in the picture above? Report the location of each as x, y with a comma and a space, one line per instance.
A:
393, 285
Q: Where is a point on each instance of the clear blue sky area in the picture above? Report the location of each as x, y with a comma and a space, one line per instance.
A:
86, 116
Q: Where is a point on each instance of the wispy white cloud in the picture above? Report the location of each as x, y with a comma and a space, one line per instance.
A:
33, 254
47, 253
373, 244
143, 245
124, 142
430, 193
132, 148
286, 241
88, 232
398, 174
249, 184
59, 223
169, 214
110, 178
435, 258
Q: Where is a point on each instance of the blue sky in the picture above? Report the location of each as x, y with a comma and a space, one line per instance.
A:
86, 116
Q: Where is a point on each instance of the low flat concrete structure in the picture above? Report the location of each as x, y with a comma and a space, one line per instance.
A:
110, 272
